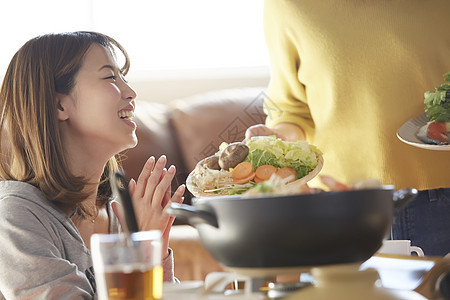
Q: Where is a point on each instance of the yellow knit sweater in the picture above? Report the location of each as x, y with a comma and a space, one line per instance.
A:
350, 73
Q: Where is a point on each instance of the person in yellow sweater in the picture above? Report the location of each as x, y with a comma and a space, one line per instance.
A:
345, 75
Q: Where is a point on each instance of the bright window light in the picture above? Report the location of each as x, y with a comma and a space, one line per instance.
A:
158, 34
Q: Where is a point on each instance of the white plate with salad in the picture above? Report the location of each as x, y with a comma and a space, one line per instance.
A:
430, 130
238, 167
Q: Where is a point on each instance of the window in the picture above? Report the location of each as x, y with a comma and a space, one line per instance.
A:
161, 36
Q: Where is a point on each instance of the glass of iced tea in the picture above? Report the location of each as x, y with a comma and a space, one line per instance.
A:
128, 266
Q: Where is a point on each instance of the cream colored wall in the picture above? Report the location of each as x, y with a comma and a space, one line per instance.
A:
164, 87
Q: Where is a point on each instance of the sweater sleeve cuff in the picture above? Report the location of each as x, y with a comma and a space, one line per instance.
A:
168, 268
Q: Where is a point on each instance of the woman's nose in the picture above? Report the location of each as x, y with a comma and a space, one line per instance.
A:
128, 92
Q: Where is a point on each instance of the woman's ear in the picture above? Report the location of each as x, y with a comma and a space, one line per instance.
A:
61, 102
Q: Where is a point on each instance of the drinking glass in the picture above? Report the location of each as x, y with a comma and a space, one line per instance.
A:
128, 266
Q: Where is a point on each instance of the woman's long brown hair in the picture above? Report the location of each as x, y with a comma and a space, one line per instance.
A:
30, 141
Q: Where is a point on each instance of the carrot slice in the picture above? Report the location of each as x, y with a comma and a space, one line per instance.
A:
287, 172
265, 171
244, 180
242, 170
258, 180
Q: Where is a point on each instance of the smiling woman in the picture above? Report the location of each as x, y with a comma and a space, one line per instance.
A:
66, 113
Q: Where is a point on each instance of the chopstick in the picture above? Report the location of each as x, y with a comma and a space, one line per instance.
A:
120, 190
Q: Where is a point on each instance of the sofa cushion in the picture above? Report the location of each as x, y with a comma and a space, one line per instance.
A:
202, 122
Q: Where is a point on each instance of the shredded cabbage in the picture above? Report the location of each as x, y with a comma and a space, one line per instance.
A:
263, 150
268, 150
209, 179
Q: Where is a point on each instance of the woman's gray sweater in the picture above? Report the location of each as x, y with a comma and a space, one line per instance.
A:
42, 255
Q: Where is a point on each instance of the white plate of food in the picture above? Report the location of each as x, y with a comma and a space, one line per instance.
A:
407, 133
216, 175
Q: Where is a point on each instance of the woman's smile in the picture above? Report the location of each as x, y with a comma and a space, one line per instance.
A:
127, 115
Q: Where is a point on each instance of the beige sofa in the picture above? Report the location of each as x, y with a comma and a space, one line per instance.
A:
186, 131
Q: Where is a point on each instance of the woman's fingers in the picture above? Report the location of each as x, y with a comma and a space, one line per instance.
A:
178, 195
333, 184
257, 130
178, 198
143, 177
164, 200
304, 189
155, 177
131, 186
167, 195
152, 193
161, 188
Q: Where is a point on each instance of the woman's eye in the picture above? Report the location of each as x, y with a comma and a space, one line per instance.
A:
113, 77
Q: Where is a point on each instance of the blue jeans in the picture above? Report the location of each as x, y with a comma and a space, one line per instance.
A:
426, 222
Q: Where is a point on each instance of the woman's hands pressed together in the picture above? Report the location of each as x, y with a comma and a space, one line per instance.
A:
150, 196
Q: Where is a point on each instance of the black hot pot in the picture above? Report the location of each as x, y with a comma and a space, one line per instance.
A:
294, 230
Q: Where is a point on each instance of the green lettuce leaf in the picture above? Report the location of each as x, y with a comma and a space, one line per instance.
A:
437, 103
259, 157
